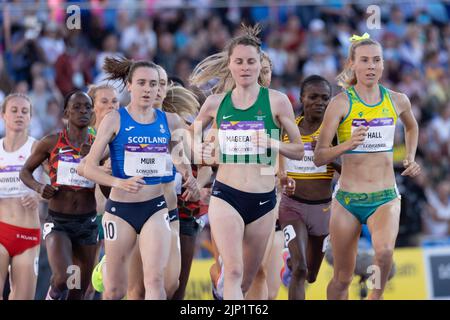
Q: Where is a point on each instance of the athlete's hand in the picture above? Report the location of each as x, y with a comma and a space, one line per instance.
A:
358, 137
192, 192
132, 185
30, 201
261, 139
205, 195
412, 168
47, 191
288, 185
209, 152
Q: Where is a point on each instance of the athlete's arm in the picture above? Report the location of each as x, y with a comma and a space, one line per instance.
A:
93, 170
404, 111
283, 112
179, 159
286, 182
31, 200
40, 153
206, 115
324, 152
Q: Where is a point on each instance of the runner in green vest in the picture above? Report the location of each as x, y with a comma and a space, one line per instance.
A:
249, 119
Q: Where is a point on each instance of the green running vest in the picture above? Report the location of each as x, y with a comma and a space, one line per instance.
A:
237, 126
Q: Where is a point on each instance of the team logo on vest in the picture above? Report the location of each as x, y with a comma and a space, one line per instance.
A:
385, 111
360, 114
260, 116
21, 158
162, 130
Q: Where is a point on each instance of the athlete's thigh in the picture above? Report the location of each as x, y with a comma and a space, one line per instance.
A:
24, 272
174, 264
120, 238
344, 235
227, 228
154, 242
384, 224
59, 251
296, 237
135, 274
256, 236
84, 257
4, 264
275, 264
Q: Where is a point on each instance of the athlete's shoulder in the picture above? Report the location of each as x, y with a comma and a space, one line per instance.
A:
400, 100
174, 120
49, 141
279, 102
339, 105
398, 96
212, 103
341, 97
276, 95
215, 99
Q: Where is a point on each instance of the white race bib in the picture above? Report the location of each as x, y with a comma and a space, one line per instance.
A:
67, 174
235, 138
380, 136
145, 160
305, 166
10, 183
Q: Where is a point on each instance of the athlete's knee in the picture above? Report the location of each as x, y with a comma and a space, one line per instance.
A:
59, 280
136, 293
342, 282
299, 271
384, 254
234, 271
154, 280
261, 275
114, 293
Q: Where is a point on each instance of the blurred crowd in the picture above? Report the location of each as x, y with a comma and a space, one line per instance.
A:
41, 57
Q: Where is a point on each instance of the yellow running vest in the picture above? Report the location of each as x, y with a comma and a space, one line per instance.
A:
380, 118
306, 169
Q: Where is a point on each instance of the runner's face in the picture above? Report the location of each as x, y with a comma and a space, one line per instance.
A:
162, 92
315, 98
79, 110
144, 86
245, 65
368, 64
17, 114
105, 101
266, 73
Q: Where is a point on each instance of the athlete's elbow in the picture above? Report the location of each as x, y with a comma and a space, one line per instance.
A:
23, 176
300, 152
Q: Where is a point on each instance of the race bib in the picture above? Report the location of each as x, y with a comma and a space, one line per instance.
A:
148, 160
380, 136
306, 165
235, 137
10, 183
67, 174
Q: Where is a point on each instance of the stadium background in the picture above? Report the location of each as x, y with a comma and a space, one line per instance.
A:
41, 57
